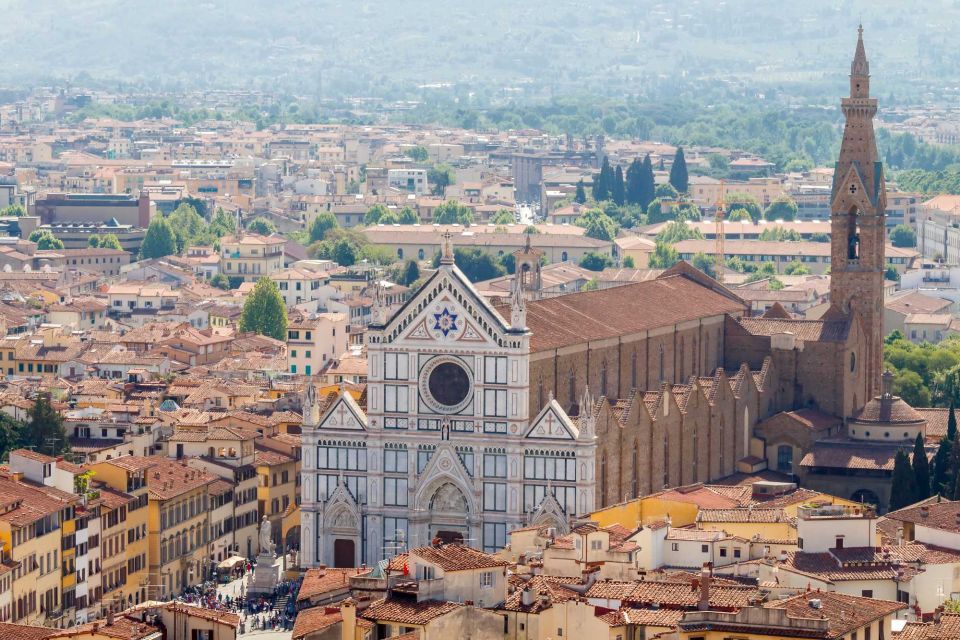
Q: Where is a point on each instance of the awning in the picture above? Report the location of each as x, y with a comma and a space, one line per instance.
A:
231, 562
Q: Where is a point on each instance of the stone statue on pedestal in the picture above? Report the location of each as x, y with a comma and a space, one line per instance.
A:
266, 537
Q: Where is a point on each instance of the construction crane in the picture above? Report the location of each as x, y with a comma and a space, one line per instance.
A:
718, 260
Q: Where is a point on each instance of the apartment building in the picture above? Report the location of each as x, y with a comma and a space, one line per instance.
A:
179, 525
251, 256
278, 479
314, 342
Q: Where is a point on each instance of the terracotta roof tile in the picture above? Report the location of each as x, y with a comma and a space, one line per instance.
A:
315, 619
845, 613
809, 330
408, 613
317, 582
455, 557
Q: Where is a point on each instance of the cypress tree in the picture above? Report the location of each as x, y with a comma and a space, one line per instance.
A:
617, 190
953, 469
941, 468
952, 423
921, 470
678, 172
902, 490
634, 189
648, 187
581, 195
603, 182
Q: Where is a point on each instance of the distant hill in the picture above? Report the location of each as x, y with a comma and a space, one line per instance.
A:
542, 47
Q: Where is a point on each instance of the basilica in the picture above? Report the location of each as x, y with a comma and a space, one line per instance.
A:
479, 418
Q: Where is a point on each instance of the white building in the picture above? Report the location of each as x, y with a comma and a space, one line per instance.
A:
410, 180
445, 447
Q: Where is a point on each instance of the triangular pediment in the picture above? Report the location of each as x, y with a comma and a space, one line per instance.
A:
344, 413
549, 513
444, 467
851, 192
552, 423
447, 309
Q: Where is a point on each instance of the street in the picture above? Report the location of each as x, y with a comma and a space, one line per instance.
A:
234, 589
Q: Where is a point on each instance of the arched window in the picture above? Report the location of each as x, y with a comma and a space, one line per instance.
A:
603, 378
563, 257
746, 430
666, 460
572, 388
603, 480
633, 370
663, 377
635, 484
853, 230
420, 254
853, 362
785, 458
539, 394
400, 253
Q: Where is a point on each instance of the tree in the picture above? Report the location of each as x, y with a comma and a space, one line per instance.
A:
744, 201
344, 253
903, 236
503, 216
452, 212
629, 263
159, 241
903, 489
603, 182
222, 224
678, 172
11, 433
796, 268
783, 208
418, 153
676, 231
820, 237
220, 281
408, 216
441, 176
411, 273
663, 257
374, 214
617, 192
319, 226
648, 188
13, 211
656, 212
94, 241
598, 225
390, 217
45, 240
475, 263
921, 470
110, 241
952, 423
739, 214
581, 195
890, 273
595, 261
188, 226
264, 311
704, 263
779, 234
262, 226
44, 430
666, 191
941, 468
633, 190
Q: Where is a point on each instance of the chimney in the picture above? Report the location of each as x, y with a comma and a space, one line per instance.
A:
526, 596
706, 575
143, 209
348, 613
110, 617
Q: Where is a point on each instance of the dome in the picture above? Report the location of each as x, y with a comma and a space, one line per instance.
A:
888, 409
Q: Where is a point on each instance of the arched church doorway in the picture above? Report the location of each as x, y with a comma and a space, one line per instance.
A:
448, 514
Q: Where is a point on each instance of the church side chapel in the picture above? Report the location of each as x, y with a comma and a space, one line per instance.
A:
479, 418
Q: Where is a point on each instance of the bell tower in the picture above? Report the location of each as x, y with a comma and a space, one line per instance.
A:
858, 204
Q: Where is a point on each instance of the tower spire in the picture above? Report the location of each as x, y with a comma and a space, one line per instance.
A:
857, 214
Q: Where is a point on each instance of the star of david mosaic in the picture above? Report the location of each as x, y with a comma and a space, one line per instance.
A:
446, 322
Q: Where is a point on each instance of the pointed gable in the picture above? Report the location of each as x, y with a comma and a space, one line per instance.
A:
344, 413
552, 423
